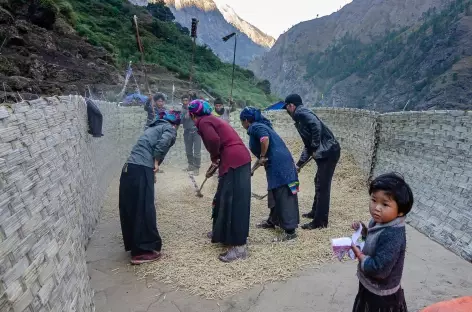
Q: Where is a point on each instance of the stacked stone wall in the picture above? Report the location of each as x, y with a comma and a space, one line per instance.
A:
54, 175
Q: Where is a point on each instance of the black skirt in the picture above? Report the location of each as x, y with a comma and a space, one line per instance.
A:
137, 210
232, 206
367, 301
283, 205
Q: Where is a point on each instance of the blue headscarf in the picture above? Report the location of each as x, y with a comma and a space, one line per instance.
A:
171, 116
253, 114
200, 108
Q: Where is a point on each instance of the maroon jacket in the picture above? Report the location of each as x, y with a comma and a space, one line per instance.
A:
223, 143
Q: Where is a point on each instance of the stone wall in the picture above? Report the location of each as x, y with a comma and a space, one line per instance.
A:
53, 176
433, 150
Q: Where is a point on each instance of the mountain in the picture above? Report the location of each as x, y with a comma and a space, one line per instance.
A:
254, 33
53, 47
383, 55
215, 22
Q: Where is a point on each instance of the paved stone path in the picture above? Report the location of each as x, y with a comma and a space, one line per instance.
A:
431, 274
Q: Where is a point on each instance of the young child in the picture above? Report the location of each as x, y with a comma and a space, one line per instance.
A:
380, 266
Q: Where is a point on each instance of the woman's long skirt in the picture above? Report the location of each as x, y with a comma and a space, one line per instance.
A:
283, 205
137, 210
367, 301
232, 205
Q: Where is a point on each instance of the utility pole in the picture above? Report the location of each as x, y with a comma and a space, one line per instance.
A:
234, 64
226, 38
193, 34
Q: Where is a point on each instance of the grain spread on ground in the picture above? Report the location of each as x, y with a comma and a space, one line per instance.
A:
190, 262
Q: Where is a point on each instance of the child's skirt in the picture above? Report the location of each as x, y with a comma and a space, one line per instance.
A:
367, 301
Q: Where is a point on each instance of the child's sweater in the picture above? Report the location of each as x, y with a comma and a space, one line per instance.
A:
382, 268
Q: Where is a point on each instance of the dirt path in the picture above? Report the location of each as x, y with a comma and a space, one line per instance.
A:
190, 266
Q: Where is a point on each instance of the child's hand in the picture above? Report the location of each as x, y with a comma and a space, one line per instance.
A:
355, 225
359, 255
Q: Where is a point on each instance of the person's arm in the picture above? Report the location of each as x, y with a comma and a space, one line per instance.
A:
147, 106
164, 144
211, 140
261, 134
305, 155
309, 120
232, 106
387, 251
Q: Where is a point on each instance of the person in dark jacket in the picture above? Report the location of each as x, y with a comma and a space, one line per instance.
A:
232, 201
281, 173
382, 257
320, 144
192, 140
154, 107
136, 197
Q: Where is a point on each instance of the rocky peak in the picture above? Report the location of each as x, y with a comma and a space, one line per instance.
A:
216, 22
250, 30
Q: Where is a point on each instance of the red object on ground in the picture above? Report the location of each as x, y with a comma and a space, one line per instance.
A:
463, 304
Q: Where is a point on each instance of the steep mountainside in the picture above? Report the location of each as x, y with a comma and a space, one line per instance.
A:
382, 55
215, 23
40, 53
52, 47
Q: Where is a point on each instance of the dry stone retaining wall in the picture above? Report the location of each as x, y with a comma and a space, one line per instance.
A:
53, 176
433, 150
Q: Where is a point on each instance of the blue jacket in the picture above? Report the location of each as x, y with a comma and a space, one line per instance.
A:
382, 269
280, 168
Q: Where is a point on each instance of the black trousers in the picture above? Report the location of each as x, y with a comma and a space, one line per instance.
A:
323, 179
137, 210
232, 207
283, 207
193, 147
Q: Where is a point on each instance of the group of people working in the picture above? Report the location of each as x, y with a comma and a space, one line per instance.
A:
231, 159
380, 261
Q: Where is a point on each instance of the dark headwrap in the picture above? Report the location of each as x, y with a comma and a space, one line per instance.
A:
171, 116
199, 108
253, 114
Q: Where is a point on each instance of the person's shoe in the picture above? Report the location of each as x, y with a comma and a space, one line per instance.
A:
196, 172
234, 253
309, 215
210, 235
188, 169
146, 258
285, 237
312, 226
265, 225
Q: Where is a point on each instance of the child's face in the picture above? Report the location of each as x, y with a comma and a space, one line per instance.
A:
383, 208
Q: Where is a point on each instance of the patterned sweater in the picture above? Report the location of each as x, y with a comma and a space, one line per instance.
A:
382, 268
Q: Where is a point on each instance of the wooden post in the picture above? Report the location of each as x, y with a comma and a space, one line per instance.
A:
141, 49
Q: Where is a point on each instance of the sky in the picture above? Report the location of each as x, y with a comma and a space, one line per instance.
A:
281, 15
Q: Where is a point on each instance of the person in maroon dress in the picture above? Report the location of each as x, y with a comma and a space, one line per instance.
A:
232, 201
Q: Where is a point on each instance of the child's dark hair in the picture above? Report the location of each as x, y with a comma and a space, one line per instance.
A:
185, 96
395, 186
218, 101
159, 96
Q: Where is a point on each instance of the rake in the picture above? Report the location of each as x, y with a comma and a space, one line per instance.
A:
257, 165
